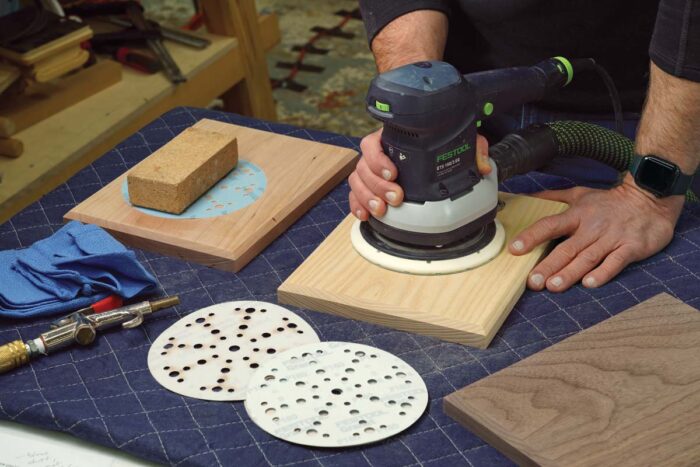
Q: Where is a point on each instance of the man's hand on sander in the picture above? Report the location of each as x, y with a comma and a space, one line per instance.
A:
607, 230
373, 181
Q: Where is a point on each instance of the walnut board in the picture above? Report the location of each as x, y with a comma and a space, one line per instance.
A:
298, 172
466, 307
623, 392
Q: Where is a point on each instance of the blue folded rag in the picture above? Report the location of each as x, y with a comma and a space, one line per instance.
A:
71, 269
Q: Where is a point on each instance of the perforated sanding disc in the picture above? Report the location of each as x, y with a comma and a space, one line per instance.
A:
427, 267
212, 353
335, 394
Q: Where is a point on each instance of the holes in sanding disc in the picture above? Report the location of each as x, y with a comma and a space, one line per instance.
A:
189, 347
370, 394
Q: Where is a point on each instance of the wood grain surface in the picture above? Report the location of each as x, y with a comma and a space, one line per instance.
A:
61, 145
43, 100
625, 392
49, 49
466, 307
252, 96
10, 147
298, 172
8, 75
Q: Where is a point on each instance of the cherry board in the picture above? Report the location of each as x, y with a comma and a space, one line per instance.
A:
277, 179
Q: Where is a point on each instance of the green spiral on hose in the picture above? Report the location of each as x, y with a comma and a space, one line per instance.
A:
599, 143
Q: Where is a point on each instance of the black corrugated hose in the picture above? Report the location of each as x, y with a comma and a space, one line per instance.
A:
533, 147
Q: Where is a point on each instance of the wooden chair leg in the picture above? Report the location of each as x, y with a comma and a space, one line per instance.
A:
239, 18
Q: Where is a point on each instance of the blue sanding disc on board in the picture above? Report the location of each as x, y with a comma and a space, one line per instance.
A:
239, 188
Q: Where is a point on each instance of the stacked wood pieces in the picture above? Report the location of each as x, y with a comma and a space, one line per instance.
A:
42, 100
8, 75
52, 59
38, 47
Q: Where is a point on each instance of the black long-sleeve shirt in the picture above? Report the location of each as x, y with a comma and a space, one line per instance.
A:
620, 34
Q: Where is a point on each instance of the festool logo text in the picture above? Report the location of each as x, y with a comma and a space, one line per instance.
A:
450, 154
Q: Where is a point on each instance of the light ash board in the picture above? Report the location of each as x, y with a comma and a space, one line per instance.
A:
466, 307
298, 172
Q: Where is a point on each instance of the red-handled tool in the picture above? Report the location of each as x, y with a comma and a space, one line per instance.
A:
80, 328
137, 60
106, 304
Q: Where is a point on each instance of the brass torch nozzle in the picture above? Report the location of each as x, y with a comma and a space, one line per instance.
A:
166, 302
13, 355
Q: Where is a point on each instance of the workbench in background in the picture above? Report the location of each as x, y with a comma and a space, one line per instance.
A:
105, 393
231, 67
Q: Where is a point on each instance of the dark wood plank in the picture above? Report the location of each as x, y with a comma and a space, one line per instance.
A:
623, 392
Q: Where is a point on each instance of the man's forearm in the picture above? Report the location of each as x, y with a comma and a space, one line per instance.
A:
670, 124
415, 36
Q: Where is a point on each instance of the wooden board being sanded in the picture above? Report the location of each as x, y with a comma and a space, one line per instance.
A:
625, 392
287, 176
466, 307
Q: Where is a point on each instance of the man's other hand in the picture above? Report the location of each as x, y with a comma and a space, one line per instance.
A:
373, 181
607, 230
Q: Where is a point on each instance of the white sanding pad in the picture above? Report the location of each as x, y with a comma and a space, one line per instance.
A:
212, 353
424, 267
335, 394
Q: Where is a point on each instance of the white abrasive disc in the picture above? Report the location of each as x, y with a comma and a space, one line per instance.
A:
425, 267
212, 353
335, 394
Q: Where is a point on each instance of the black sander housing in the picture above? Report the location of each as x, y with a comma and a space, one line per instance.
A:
431, 113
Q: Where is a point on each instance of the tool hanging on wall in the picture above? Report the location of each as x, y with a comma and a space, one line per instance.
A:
79, 327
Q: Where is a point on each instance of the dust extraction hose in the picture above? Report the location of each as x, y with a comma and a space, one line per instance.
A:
533, 147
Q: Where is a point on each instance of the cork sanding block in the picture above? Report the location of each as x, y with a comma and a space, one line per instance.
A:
177, 174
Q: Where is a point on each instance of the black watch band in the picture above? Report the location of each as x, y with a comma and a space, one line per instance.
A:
659, 176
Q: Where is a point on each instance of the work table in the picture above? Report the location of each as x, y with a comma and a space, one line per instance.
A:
105, 394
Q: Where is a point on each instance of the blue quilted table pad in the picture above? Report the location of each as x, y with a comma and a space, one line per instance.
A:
105, 394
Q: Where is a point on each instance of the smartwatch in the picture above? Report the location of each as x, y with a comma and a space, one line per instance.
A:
659, 177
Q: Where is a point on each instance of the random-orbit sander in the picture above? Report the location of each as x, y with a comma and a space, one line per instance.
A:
431, 112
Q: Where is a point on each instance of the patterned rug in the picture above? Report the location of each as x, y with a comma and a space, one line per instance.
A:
327, 91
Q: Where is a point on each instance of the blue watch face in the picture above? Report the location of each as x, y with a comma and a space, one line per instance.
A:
656, 175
